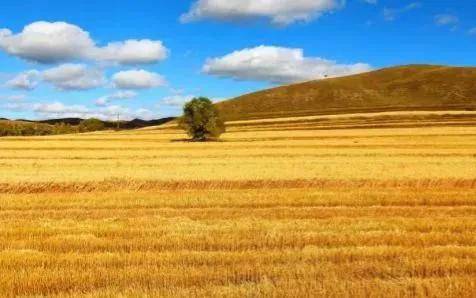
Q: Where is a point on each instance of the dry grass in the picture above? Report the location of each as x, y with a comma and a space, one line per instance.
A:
402, 88
296, 213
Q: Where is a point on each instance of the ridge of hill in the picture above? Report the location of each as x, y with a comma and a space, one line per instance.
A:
401, 88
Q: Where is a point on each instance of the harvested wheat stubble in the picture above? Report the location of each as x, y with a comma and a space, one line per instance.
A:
291, 213
366, 241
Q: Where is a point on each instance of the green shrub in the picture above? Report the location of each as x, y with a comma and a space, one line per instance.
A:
91, 124
19, 128
64, 128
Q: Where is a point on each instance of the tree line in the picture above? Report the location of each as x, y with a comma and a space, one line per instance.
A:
23, 128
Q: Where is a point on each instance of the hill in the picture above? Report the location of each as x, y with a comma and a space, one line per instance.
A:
412, 87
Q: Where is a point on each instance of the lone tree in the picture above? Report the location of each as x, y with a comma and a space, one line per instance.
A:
201, 120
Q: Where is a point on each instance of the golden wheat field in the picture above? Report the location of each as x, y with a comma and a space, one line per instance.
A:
305, 208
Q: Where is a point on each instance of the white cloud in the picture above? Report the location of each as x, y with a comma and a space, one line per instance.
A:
472, 31
14, 98
278, 65
27, 80
446, 20
104, 100
145, 114
391, 14
60, 110
177, 100
63, 77
17, 106
112, 112
132, 52
68, 77
278, 11
123, 95
46, 42
137, 79
74, 77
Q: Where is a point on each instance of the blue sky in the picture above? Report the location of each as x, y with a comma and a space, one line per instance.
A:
144, 58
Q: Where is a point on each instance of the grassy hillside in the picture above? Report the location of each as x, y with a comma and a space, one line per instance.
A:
413, 87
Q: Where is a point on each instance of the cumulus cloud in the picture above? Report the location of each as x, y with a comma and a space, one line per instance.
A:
64, 77
112, 112
446, 20
74, 77
132, 52
104, 100
278, 65
17, 106
46, 42
137, 79
177, 100
144, 114
277, 11
60, 110
27, 80
14, 97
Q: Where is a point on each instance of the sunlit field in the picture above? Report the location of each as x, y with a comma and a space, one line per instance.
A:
347, 207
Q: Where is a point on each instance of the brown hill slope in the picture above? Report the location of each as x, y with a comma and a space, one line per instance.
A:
412, 87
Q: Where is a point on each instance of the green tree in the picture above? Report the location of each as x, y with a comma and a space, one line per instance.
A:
202, 120
63, 128
91, 124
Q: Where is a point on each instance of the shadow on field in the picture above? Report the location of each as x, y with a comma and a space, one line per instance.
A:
196, 141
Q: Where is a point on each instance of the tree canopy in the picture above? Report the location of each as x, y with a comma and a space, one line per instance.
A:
202, 120
91, 124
